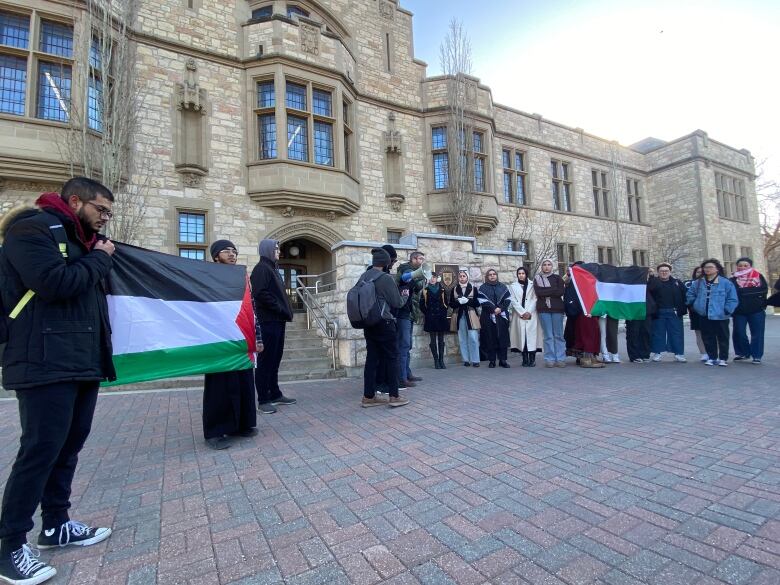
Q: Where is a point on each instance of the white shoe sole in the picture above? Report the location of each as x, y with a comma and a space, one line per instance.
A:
94, 540
45, 576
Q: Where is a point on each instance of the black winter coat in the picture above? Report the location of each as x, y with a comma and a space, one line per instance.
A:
63, 334
268, 294
751, 299
434, 307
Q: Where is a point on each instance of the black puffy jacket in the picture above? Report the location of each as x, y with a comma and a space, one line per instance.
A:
63, 333
751, 299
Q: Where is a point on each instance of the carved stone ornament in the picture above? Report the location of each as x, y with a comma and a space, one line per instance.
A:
387, 9
189, 95
392, 136
288, 212
471, 92
191, 180
310, 38
396, 201
331, 216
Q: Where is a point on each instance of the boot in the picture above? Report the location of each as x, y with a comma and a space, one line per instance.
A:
525, 358
588, 361
435, 355
532, 359
441, 353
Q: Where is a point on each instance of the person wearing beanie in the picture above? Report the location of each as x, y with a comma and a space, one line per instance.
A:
381, 385
381, 346
229, 397
273, 312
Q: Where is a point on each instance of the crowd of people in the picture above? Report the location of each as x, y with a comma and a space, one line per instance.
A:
54, 264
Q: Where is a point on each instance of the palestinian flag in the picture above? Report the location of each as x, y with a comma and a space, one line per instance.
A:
618, 292
173, 316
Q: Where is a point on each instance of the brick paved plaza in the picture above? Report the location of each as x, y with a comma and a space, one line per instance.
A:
653, 473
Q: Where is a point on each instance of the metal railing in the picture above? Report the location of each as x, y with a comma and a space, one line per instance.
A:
315, 312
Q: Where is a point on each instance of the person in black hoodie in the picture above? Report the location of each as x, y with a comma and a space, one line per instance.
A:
273, 311
54, 264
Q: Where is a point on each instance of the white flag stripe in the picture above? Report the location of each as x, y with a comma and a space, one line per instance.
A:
623, 293
143, 324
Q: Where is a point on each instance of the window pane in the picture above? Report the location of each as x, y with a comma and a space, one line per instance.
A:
508, 187
565, 171
95, 54
604, 180
506, 159
13, 83
556, 196
479, 175
345, 112
95, 104
566, 197
596, 206
554, 169
292, 10
297, 139
630, 208
14, 30
394, 237
53, 91
322, 102
478, 142
263, 12
323, 143
440, 170
296, 96
636, 187
192, 254
519, 161
595, 179
520, 190
510, 245
56, 39
266, 94
192, 228
347, 152
438, 138
267, 130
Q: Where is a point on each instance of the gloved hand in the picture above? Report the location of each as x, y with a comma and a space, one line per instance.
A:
406, 276
463, 300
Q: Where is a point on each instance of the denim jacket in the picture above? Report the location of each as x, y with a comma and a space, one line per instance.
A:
723, 298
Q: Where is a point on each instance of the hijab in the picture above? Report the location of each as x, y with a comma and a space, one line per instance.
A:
542, 280
460, 291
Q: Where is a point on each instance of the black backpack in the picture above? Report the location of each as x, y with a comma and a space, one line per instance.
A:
364, 307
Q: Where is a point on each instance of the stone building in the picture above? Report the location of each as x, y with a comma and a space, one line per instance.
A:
312, 122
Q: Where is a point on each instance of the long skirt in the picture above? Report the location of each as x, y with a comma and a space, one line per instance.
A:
587, 334
228, 403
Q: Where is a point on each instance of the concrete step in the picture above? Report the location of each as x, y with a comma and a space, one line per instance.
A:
303, 352
313, 374
302, 364
311, 342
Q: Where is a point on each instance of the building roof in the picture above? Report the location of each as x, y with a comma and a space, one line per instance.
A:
647, 144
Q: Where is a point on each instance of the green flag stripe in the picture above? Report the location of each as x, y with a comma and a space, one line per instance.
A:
619, 310
224, 356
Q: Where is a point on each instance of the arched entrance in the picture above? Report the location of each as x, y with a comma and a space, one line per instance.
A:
305, 257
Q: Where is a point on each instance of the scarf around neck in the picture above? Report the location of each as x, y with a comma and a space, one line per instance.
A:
748, 278
53, 202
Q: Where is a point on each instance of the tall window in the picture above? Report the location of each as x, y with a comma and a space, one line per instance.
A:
600, 193
634, 200
441, 162
265, 111
730, 193
95, 86
191, 235
54, 77
566, 253
561, 185
14, 32
729, 258
478, 145
639, 257
322, 102
606, 255
346, 107
513, 162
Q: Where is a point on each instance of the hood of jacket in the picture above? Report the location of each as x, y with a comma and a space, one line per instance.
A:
267, 249
15, 215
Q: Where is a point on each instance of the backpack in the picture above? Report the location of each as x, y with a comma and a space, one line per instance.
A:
364, 307
8, 313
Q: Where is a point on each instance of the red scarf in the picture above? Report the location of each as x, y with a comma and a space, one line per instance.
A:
54, 201
747, 278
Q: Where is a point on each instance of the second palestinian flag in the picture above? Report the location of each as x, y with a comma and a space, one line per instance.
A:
172, 316
618, 292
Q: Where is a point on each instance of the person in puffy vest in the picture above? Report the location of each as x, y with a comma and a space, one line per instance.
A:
58, 352
381, 338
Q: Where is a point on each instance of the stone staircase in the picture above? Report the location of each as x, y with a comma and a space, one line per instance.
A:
305, 355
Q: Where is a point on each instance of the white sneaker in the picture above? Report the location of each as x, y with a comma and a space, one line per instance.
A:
655, 357
722, 363
638, 360
615, 358
680, 358
606, 358
704, 357
710, 362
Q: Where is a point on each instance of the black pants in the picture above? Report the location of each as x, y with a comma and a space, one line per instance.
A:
56, 420
492, 352
715, 335
638, 339
267, 372
228, 403
381, 352
611, 337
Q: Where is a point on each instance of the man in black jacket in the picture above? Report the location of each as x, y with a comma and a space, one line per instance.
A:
59, 349
273, 312
669, 296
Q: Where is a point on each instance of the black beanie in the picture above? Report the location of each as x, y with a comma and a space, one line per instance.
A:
220, 245
390, 250
380, 257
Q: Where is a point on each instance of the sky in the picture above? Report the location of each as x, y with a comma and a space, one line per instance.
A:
625, 69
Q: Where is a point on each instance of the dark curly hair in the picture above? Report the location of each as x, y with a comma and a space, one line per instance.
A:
717, 264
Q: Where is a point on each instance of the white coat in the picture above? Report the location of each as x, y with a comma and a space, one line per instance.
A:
523, 332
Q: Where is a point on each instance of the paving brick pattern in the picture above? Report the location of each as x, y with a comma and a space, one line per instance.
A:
654, 473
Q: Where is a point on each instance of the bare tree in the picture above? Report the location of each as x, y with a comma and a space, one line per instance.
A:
455, 60
541, 229
618, 201
672, 248
100, 139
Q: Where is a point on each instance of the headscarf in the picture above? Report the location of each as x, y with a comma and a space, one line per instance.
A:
542, 280
220, 245
748, 278
494, 293
267, 249
459, 290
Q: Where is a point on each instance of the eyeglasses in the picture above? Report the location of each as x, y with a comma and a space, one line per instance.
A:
232, 251
103, 211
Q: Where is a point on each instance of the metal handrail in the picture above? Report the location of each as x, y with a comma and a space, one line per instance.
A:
318, 286
315, 311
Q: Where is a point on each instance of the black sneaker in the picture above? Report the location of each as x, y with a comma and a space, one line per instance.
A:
218, 443
22, 567
283, 400
266, 408
75, 533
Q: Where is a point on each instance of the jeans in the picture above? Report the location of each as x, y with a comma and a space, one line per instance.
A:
469, 341
267, 371
405, 330
554, 345
715, 334
56, 420
755, 347
381, 352
667, 333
